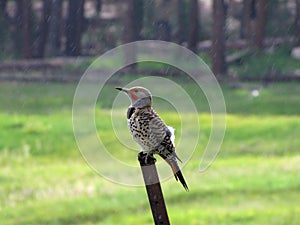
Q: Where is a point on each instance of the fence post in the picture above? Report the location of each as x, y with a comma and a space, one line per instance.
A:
155, 196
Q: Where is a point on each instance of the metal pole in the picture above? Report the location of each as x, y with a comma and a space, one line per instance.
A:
155, 196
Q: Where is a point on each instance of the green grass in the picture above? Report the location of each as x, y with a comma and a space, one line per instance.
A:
44, 180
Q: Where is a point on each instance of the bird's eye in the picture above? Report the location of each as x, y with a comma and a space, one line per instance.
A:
136, 91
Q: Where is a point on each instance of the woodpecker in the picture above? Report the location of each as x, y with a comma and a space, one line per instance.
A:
149, 130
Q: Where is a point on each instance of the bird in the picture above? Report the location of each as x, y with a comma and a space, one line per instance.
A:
149, 130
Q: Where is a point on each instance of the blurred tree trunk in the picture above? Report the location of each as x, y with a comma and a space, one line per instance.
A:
129, 33
193, 25
297, 22
3, 13
74, 27
218, 38
27, 28
55, 28
18, 29
260, 23
7, 19
3, 23
149, 17
3, 5
163, 30
43, 29
247, 17
98, 6
243, 20
133, 23
139, 11
180, 22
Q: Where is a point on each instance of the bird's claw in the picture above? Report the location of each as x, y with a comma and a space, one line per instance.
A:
146, 158
149, 156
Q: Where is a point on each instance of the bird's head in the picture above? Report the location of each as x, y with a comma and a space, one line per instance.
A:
140, 97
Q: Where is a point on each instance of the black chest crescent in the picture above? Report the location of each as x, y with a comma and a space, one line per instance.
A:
130, 111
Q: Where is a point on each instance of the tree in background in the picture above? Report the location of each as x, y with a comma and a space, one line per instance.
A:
3, 24
139, 11
27, 43
74, 27
25, 7
260, 23
254, 21
26, 30
43, 29
247, 18
98, 6
55, 30
3, 4
180, 37
133, 23
218, 38
297, 21
193, 25
149, 15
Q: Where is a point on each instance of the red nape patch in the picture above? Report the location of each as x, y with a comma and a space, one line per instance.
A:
133, 96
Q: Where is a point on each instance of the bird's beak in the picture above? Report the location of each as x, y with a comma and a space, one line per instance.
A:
122, 89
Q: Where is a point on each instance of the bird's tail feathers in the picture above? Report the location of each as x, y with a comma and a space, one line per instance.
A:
181, 179
178, 174
176, 170
174, 153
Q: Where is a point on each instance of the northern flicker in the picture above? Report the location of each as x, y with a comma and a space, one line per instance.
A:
149, 131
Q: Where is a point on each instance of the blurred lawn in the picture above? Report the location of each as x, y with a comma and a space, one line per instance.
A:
44, 179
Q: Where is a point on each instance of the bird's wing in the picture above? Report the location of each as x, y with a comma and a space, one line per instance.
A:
160, 134
157, 130
130, 111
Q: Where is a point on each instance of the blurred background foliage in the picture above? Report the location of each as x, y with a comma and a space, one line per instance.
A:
47, 29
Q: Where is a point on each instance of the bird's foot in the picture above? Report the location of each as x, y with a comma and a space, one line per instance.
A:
149, 159
146, 158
